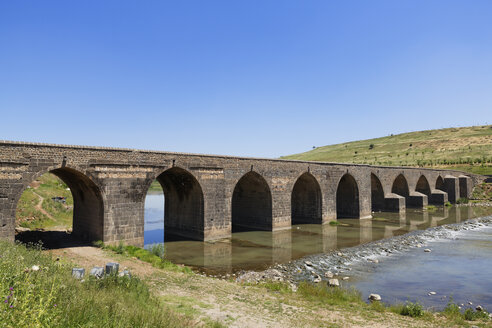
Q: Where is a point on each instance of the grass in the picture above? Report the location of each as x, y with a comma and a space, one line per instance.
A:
466, 149
155, 186
50, 297
149, 256
482, 191
28, 215
410, 309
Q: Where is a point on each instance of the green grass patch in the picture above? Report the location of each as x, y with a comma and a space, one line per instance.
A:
448, 204
37, 291
334, 223
462, 200
321, 293
431, 208
144, 255
410, 309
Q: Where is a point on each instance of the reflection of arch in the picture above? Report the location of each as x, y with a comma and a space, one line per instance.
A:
377, 193
88, 210
440, 183
183, 206
251, 204
306, 200
347, 197
423, 186
400, 186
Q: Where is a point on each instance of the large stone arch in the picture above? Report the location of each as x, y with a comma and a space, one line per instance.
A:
440, 183
377, 194
423, 186
88, 211
400, 186
251, 207
347, 198
184, 204
306, 200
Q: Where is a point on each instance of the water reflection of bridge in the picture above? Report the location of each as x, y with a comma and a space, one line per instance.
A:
257, 250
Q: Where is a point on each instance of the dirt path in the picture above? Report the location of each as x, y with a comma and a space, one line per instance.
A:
233, 304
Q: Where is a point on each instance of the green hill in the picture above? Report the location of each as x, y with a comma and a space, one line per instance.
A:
468, 149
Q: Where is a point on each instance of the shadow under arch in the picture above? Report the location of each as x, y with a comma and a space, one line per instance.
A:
183, 206
306, 200
251, 204
400, 186
347, 197
423, 186
88, 213
377, 194
440, 183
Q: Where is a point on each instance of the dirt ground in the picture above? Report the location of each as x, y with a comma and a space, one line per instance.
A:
231, 303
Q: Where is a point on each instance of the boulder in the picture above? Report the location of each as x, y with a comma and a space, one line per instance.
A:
333, 283
97, 272
112, 268
78, 273
374, 297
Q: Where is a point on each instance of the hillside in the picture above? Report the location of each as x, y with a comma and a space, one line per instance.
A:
467, 148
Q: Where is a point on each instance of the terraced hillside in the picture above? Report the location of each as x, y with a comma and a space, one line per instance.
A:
467, 148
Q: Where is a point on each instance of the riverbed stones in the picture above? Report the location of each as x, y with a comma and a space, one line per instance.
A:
112, 268
308, 263
427, 250
345, 278
374, 297
333, 283
329, 274
479, 308
97, 272
316, 279
432, 293
78, 273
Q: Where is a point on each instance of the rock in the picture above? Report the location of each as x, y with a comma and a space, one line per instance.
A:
328, 274
35, 268
21, 229
479, 308
374, 297
333, 283
427, 250
432, 293
125, 273
470, 303
97, 272
112, 268
308, 263
339, 254
345, 278
78, 273
317, 279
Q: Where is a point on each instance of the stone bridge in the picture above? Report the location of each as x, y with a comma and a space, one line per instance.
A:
206, 196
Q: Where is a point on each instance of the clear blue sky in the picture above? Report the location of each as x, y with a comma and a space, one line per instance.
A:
253, 78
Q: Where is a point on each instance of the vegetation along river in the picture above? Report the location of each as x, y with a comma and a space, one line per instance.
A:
384, 255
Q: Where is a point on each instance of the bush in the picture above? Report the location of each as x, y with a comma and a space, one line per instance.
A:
472, 315
462, 200
448, 204
410, 309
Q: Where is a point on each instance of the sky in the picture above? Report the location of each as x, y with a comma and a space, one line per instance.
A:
248, 78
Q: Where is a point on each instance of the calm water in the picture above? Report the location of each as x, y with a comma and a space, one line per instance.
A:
259, 249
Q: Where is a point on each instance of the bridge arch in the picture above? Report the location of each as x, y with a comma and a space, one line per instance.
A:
377, 194
88, 203
347, 197
440, 183
251, 207
183, 205
423, 186
400, 186
306, 200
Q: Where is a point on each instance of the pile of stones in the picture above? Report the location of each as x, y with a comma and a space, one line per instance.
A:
100, 272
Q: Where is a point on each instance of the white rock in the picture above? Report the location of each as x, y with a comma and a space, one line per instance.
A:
328, 274
479, 308
333, 283
427, 250
432, 293
308, 263
374, 297
35, 268
317, 279
470, 303
345, 278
